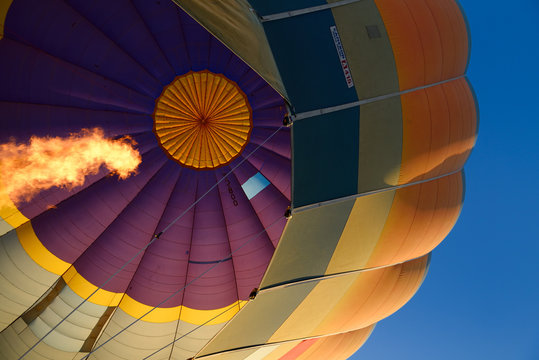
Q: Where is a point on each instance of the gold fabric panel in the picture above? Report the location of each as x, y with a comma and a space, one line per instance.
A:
203, 120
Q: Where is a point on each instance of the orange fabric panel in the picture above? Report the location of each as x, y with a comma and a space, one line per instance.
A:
337, 347
421, 216
375, 295
299, 349
460, 31
463, 130
429, 39
439, 130
405, 41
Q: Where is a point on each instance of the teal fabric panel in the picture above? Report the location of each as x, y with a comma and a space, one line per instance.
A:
269, 7
308, 61
325, 157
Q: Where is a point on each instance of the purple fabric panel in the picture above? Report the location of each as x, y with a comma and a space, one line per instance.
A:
279, 143
251, 246
217, 288
163, 20
271, 117
219, 57
236, 70
48, 120
72, 38
269, 204
102, 63
121, 22
163, 269
244, 172
128, 233
33, 76
197, 41
69, 229
49, 198
274, 167
250, 83
265, 97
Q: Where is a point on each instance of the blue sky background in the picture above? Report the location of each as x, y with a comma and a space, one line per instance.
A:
480, 299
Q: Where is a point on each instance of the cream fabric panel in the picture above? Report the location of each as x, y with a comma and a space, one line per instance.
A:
71, 334
22, 280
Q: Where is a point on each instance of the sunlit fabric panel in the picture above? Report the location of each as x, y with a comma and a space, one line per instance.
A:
430, 39
337, 346
420, 135
367, 231
237, 234
439, 129
398, 225
322, 306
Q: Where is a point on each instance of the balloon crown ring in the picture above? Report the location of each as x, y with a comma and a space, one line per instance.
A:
202, 120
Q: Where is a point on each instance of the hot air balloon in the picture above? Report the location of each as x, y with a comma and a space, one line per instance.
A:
300, 161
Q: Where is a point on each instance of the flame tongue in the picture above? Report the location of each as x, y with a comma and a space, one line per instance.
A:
27, 169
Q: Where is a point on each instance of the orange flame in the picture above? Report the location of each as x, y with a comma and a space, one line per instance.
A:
44, 162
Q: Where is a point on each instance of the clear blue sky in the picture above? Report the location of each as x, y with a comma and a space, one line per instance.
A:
481, 297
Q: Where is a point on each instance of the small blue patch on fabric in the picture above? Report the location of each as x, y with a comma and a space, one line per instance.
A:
254, 185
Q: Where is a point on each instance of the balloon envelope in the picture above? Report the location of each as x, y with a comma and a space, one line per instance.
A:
384, 120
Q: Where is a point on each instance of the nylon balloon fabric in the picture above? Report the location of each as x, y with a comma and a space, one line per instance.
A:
105, 65
266, 180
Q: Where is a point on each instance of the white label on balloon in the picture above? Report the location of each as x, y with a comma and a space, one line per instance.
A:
342, 56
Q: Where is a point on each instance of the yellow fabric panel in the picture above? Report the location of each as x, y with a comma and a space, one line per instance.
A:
4, 8
202, 120
192, 316
262, 352
238, 27
337, 347
315, 307
281, 350
38, 252
84, 288
362, 52
420, 218
423, 34
380, 144
361, 233
353, 301
136, 309
374, 295
8, 211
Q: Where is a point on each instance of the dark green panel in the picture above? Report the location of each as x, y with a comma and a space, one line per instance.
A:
259, 319
308, 61
325, 157
307, 244
268, 7
380, 144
